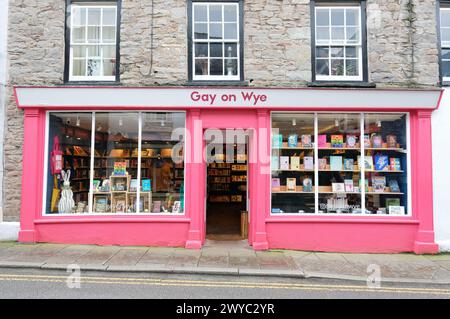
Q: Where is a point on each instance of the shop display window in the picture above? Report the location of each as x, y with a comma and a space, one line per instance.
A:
327, 174
115, 162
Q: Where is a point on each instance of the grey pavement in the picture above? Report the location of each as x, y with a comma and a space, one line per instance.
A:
229, 258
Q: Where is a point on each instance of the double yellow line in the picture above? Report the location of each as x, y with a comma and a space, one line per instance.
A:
224, 284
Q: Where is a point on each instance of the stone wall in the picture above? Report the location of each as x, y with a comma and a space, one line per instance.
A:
277, 52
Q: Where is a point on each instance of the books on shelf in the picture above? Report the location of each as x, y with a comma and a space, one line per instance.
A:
118, 152
276, 186
277, 141
394, 164
322, 141
348, 184
351, 140
307, 184
295, 162
391, 141
291, 184
284, 162
146, 185
133, 185
393, 186
337, 140
379, 184
336, 163
323, 163
156, 206
368, 162
392, 202
292, 140
120, 168
96, 185
338, 187
275, 162
367, 141
381, 162
308, 162
349, 164
78, 150
377, 141
306, 140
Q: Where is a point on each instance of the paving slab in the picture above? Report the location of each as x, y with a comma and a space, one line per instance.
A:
69, 254
272, 272
278, 260
327, 263
181, 260
140, 268
244, 262
20, 264
208, 260
156, 257
98, 255
127, 256
31, 253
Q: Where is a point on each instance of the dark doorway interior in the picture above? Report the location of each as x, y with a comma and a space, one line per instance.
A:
226, 194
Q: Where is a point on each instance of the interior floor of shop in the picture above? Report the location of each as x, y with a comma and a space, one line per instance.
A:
223, 221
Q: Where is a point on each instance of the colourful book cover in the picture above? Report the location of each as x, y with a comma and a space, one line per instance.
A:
306, 140
351, 140
307, 184
378, 184
322, 141
393, 185
284, 162
368, 163
336, 163
275, 162
392, 202
348, 164
308, 162
337, 140
276, 185
293, 140
291, 184
348, 183
323, 163
367, 141
120, 168
381, 162
277, 141
146, 185
295, 162
395, 164
377, 141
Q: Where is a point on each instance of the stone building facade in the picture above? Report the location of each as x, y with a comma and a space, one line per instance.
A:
401, 44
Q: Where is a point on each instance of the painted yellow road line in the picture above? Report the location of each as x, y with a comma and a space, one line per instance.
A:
222, 284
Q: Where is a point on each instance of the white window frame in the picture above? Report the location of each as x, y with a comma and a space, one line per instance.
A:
408, 191
445, 45
209, 77
75, 6
342, 44
91, 169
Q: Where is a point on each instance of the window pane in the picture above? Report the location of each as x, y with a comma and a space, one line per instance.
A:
200, 13
109, 67
231, 67
351, 52
93, 67
352, 17
94, 15
337, 34
337, 17
201, 49
230, 50
201, 67
337, 52
215, 13
79, 35
292, 163
352, 34
72, 131
323, 34
351, 68
322, 17
337, 67
385, 161
94, 34
339, 150
230, 31
94, 51
322, 67
162, 164
215, 31
79, 67
200, 31
79, 51
445, 18
322, 52
215, 50
230, 13
216, 67
446, 68
109, 51
109, 16
446, 54
109, 34
79, 16
445, 35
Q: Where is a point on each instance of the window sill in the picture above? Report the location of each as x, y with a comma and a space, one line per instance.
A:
217, 83
445, 83
92, 83
343, 84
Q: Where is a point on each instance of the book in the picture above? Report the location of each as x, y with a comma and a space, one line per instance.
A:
351, 140
394, 164
322, 141
120, 206
284, 162
293, 140
276, 187
96, 185
337, 140
277, 141
391, 141
367, 141
378, 184
393, 185
306, 140
396, 210
336, 163
323, 163
133, 185
176, 207
291, 184
392, 202
295, 162
156, 206
349, 164
377, 141
275, 163
120, 168
348, 183
308, 162
307, 184
368, 163
366, 185
381, 162
338, 187
146, 185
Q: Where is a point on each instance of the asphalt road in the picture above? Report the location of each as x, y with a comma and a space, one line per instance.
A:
30, 284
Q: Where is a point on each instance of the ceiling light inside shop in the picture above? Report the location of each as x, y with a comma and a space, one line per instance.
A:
336, 122
294, 122
78, 121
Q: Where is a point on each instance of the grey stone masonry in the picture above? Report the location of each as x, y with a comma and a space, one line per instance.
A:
402, 52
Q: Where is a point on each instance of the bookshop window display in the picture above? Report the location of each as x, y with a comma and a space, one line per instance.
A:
115, 162
318, 166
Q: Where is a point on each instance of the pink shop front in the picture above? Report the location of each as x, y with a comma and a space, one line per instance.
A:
345, 170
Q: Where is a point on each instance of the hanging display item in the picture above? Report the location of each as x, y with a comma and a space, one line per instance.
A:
56, 157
